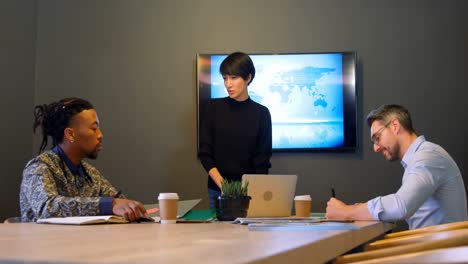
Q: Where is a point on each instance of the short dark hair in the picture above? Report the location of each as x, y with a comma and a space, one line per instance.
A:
387, 112
239, 64
55, 117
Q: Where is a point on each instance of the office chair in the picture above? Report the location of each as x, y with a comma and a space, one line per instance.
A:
445, 239
427, 229
411, 239
442, 255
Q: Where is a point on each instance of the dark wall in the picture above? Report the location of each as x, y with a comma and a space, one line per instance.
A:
135, 60
17, 49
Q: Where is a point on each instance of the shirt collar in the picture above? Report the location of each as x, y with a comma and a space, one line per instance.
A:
75, 169
411, 150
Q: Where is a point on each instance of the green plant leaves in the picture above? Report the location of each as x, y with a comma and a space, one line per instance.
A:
234, 188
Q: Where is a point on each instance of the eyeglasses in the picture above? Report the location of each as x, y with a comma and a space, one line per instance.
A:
375, 139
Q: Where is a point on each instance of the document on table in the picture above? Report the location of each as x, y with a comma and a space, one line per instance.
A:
279, 220
295, 224
302, 226
84, 220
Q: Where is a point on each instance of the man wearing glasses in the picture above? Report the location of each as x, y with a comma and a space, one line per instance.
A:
432, 190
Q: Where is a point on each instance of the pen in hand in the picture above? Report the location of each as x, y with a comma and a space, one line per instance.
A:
333, 192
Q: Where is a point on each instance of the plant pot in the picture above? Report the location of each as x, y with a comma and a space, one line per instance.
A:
228, 208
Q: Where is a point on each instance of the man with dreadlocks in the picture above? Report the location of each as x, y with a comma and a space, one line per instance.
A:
58, 182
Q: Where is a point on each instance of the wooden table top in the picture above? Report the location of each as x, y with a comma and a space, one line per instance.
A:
176, 243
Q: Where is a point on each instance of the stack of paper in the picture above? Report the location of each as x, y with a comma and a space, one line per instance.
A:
278, 220
295, 223
302, 226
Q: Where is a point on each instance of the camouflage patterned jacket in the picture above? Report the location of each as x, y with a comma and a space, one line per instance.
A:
49, 189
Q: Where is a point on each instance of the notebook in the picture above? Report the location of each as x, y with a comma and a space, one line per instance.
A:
84, 220
272, 195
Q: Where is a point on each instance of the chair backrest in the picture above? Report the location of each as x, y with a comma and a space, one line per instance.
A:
445, 239
12, 220
405, 240
442, 255
429, 229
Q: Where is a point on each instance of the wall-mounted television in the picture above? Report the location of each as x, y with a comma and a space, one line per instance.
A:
311, 97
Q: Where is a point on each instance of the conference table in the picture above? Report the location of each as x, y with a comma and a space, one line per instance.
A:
218, 242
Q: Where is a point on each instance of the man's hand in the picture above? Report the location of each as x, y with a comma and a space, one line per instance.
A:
129, 209
338, 210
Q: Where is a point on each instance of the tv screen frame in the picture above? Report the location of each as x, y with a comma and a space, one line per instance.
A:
349, 105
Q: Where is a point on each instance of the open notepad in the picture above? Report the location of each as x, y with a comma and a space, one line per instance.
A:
84, 220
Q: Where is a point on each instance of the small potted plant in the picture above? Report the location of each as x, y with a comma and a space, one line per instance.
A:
234, 201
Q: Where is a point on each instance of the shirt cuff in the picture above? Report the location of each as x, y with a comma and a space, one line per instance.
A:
208, 165
375, 207
105, 205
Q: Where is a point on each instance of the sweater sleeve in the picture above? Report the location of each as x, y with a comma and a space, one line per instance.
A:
263, 150
205, 152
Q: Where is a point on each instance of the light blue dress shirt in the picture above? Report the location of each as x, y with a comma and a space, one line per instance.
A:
432, 190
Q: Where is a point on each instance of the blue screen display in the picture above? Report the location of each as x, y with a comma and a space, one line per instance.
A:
304, 93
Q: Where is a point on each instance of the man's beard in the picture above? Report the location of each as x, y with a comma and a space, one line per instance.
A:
93, 155
393, 154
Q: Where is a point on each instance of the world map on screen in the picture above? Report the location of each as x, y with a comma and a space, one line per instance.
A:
304, 94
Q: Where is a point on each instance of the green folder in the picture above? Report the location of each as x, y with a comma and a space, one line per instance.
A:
198, 216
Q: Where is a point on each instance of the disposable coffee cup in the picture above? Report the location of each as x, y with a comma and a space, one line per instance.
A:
168, 207
302, 204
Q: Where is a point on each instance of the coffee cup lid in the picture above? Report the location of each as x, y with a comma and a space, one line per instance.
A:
168, 196
303, 198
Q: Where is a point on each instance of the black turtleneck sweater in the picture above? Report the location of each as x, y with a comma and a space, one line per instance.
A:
235, 137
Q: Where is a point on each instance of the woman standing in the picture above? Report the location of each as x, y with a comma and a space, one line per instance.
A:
235, 135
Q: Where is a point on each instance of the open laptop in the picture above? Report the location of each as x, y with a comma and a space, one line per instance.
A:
272, 195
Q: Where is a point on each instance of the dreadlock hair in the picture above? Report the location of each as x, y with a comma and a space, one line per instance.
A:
55, 117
